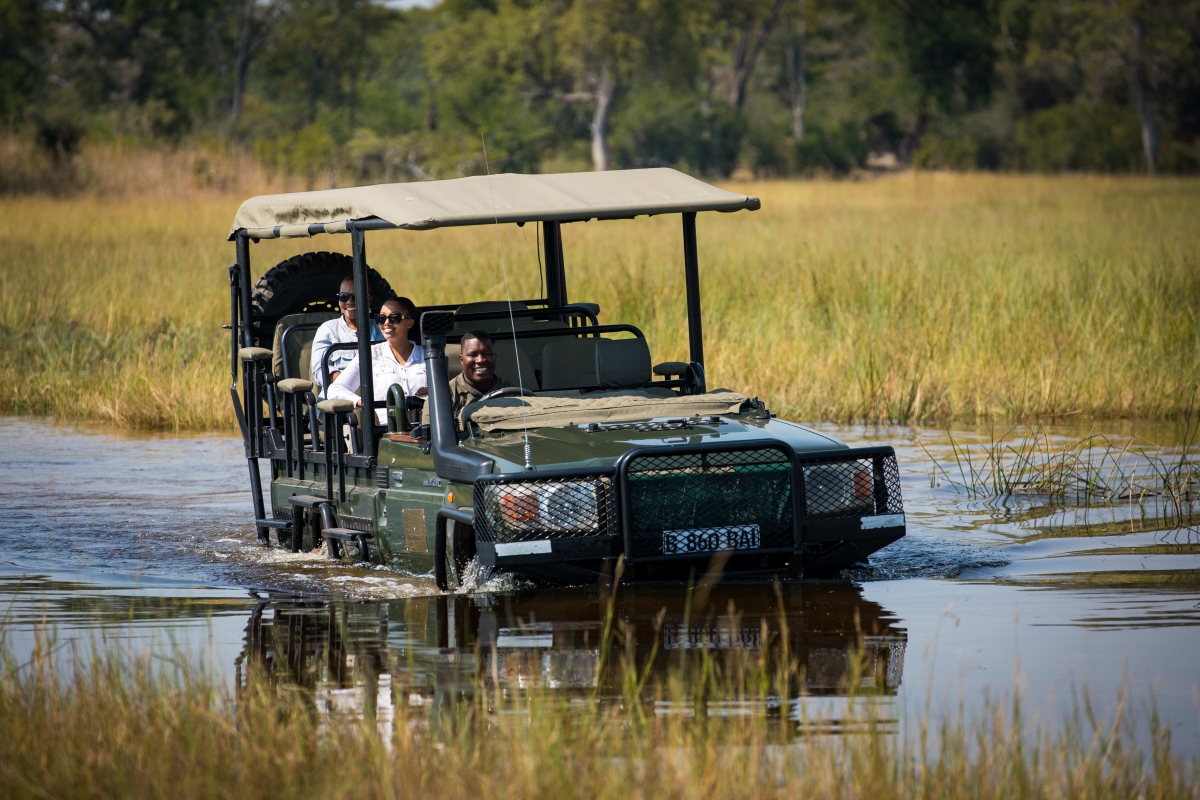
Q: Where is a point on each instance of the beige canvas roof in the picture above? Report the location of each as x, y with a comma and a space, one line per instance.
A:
469, 201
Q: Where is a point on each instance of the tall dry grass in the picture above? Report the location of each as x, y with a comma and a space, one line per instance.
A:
117, 726
919, 297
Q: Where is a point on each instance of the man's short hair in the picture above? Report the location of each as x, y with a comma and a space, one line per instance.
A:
476, 333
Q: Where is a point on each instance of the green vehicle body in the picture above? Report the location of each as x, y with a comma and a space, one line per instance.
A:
740, 493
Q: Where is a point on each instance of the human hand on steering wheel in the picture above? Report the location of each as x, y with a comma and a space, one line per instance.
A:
507, 391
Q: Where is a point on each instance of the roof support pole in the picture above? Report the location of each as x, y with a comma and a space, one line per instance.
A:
243, 262
254, 411
366, 416
691, 271
556, 275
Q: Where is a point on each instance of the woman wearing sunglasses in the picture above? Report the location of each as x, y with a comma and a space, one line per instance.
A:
340, 330
395, 360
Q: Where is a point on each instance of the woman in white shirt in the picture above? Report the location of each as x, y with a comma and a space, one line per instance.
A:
394, 360
341, 330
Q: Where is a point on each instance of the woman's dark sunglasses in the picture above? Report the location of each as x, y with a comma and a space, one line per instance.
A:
395, 319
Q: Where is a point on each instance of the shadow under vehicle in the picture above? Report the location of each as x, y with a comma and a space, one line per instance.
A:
594, 455
433, 652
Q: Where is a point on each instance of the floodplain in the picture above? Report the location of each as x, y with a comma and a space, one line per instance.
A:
1028, 344
922, 298
1019, 643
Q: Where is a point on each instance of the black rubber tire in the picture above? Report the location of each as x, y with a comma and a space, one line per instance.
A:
308, 282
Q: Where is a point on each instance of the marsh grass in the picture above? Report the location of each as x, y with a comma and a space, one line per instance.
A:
919, 298
1093, 469
109, 724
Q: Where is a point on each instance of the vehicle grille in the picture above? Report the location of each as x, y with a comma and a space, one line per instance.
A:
713, 494
544, 508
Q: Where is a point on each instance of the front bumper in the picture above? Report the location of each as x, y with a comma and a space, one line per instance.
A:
686, 502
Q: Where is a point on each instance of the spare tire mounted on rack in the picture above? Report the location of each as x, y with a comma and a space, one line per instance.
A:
304, 283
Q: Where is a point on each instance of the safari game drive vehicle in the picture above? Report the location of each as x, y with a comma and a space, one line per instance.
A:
597, 453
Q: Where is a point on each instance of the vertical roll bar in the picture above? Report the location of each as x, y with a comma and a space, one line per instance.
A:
366, 416
691, 271
249, 392
556, 276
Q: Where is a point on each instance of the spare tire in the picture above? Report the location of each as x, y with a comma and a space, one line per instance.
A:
304, 283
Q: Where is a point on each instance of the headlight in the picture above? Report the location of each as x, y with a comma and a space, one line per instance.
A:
839, 488
555, 508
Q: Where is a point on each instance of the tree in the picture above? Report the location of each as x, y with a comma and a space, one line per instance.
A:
24, 31
747, 26
797, 73
947, 47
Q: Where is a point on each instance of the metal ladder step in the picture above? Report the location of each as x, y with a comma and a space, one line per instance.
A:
309, 501
336, 536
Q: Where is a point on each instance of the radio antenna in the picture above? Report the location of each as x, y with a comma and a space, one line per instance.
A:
508, 294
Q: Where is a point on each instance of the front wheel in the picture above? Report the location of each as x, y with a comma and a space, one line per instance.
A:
453, 551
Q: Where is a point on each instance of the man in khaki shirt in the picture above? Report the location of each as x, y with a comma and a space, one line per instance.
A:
478, 358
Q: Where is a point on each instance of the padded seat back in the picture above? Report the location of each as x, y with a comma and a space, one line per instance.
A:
534, 346
507, 361
587, 363
299, 345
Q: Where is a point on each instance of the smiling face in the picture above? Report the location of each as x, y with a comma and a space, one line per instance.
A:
348, 306
478, 359
395, 332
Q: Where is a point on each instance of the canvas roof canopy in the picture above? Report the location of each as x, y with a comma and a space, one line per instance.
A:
482, 200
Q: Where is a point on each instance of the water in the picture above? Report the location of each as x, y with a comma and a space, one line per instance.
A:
145, 542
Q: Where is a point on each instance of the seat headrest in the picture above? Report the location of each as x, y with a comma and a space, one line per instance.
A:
587, 363
507, 362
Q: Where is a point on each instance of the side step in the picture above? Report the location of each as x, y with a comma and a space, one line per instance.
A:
336, 536
281, 525
307, 501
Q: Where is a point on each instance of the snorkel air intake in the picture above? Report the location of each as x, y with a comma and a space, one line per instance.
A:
450, 461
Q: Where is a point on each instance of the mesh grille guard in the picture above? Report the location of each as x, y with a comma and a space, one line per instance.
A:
686, 500
545, 505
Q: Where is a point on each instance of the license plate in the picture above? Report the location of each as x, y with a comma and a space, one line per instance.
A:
708, 540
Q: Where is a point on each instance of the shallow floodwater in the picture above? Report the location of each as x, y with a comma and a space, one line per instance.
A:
145, 542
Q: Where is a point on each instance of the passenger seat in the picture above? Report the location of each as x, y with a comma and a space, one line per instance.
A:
299, 345
595, 363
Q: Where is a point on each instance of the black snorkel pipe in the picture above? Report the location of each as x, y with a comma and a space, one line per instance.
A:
450, 461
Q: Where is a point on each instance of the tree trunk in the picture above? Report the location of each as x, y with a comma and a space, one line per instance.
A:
1141, 99
605, 90
796, 68
745, 55
241, 63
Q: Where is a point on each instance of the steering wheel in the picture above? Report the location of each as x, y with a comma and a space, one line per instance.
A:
507, 391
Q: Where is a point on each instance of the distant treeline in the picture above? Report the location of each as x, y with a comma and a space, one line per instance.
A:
355, 90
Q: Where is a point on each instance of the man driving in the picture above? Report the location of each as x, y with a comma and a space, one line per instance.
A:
477, 355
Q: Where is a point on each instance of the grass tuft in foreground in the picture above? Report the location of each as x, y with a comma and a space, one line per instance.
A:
124, 727
923, 297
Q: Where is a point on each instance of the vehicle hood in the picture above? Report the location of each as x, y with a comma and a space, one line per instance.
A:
576, 447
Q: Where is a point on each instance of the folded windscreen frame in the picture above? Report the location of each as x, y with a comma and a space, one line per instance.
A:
566, 197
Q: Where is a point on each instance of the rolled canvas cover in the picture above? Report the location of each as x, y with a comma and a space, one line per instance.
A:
481, 201
515, 413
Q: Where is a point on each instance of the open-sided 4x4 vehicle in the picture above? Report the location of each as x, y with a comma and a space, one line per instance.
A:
597, 453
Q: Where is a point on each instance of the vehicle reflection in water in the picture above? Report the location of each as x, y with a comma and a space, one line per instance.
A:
359, 658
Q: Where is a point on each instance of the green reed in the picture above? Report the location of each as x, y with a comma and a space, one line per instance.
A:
1095, 469
108, 724
918, 298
